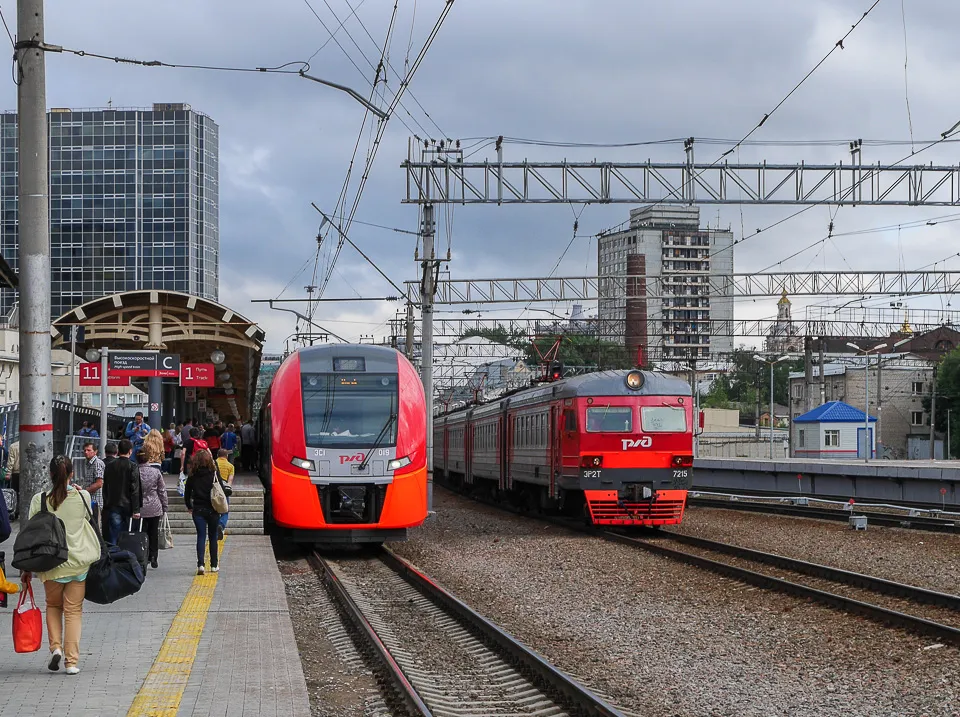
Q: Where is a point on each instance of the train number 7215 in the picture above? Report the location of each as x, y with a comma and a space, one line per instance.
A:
679, 474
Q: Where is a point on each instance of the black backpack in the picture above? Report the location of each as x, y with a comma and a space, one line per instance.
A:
42, 544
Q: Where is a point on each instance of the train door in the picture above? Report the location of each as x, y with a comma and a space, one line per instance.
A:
508, 462
556, 430
468, 450
502, 450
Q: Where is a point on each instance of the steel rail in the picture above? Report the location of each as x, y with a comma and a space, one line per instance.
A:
574, 695
386, 666
875, 613
872, 612
887, 520
816, 570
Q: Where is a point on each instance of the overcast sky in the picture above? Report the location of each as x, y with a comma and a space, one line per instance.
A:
600, 71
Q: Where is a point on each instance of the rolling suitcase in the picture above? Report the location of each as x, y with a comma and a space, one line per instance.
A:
10, 496
136, 542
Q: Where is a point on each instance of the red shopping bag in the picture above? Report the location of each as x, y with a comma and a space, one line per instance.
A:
27, 623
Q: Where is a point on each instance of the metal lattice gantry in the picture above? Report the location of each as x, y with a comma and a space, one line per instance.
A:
588, 288
442, 180
603, 328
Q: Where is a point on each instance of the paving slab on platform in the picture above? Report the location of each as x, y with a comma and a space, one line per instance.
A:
246, 662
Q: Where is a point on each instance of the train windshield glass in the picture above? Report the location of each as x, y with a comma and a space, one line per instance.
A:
610, 419
349, 410
663, 419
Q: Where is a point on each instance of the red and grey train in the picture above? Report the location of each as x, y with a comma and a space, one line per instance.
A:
614, 445
343, 446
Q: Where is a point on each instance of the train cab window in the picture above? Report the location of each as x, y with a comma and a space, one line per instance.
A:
663, 419
350, 410
610, 419
569, 420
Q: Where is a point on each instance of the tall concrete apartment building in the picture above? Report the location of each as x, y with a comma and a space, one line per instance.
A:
670, 318
134, 202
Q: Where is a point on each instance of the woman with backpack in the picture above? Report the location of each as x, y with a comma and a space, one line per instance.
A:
65, 585
197, 497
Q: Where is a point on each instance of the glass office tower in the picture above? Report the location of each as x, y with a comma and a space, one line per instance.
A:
134, 197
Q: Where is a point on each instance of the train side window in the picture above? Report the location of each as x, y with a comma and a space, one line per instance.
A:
569, 420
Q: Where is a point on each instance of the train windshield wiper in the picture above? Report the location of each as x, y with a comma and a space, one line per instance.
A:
376, 443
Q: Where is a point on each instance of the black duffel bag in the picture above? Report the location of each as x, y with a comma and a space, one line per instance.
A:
115, 575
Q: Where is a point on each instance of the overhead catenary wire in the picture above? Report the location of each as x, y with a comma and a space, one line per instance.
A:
382, 124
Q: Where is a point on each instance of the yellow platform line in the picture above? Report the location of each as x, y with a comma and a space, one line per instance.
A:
162, 690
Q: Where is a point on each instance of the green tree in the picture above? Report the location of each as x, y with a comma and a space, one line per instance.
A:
499, 335
574, 350
948, 399
717, 396
748, 377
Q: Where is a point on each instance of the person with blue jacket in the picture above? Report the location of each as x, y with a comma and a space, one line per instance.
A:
136, 431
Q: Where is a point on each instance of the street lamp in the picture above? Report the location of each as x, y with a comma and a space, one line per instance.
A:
866, 353
771, 364
218, 357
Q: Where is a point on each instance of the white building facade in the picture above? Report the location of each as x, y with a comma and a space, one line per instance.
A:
669, 318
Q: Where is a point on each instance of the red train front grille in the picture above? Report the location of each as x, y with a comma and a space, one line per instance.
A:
616, 512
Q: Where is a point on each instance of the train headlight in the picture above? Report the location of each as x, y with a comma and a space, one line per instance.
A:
634, 380
398, 463
303, 463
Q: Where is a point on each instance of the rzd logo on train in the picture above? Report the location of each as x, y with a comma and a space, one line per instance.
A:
644, 442
355, 458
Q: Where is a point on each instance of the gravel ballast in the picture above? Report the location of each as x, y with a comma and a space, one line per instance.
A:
664, 639
338, 680
921, 558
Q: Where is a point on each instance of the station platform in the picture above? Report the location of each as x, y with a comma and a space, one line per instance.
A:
220, 644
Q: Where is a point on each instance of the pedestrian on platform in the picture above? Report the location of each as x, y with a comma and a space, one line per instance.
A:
154, 492
188, 449
185, 431
197, 497
12, 473
248, 446
91, 479
137, 430
5, 530
226, 470
121, 492
213, 440
230, 440
65, 585
109, 454
153, 446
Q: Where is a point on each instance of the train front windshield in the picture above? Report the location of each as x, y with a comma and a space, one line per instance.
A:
349, 410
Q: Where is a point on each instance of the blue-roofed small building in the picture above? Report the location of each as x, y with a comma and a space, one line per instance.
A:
833, 430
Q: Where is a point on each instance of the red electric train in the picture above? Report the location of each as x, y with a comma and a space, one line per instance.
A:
616, 446
343, 446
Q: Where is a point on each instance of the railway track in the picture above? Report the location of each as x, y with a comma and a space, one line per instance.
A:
931, 613
887, 520
434, 655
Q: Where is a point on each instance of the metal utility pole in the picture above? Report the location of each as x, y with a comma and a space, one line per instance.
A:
408, 346
807, 373
933, 416
946, 453
36, 410
73, 377
104, 392
823, 378
771, 363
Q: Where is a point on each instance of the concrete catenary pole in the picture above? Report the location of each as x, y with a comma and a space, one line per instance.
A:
426, 339
409, 330
36, 409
